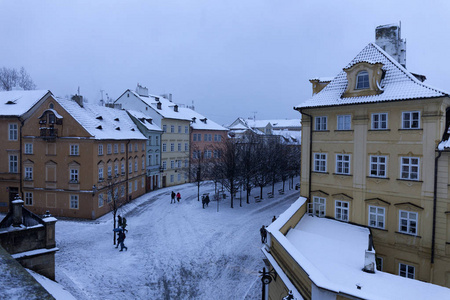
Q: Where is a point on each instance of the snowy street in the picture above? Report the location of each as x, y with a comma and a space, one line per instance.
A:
175, 251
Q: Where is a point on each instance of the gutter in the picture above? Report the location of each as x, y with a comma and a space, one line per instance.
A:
433, 238
20, 162
310, 149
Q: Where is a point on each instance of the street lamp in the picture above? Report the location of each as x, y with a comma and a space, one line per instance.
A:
266, 278
290, 296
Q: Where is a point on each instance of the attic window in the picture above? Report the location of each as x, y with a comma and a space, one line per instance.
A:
116, 119
99, 127
99, 118
149, 120
51, 106
203, 120
132, 129
117, 128
11, 102
362, 80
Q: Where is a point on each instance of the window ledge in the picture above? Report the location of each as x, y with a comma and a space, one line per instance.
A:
409, 234
377, 228
321, 131
410, 129
410, 180
375, 177
318, 172
343, 130
378, 130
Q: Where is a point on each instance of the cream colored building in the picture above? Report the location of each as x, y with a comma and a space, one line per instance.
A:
375, 155
369, 148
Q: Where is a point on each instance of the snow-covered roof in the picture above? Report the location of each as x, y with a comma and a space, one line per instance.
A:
145, 120
398, 83
332, 253
290, 136
281, 123
322, 79
16, 103
101, 122
201, 122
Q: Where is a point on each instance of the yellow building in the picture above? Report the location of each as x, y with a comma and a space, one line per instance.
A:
370, 157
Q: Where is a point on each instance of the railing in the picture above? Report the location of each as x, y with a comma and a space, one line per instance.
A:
49, 133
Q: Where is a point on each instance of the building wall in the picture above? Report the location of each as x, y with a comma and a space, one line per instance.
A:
392, 193
179, 173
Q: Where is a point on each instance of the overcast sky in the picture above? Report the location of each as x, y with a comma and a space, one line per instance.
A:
231, 58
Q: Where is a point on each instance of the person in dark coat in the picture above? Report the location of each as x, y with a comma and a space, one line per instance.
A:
203, 201
263, 232
207, 200
274, 218
178, 196
121, 240
173, 197
119, 219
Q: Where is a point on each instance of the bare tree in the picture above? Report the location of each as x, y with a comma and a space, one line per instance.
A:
226, 166
10, 78
248, 162
115, 198
199, 169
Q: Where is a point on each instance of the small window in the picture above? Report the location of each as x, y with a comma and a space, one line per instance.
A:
186, 129
172, 147
28, 148
376, 217
319, 205
13, 132
74, 149
186, 147
344, 122
109, 148
407, 271
179, 147
321, 123
164, 128
379, 121
409, 168
164, 147
28, 198
13, 163
100, 200
172, 128
74, 176
116, 148
378, 166
342, 210
362, 80
74, 202
343, 164
28, 173
411, 120
320, 162
100, 149
408, 222
179, 129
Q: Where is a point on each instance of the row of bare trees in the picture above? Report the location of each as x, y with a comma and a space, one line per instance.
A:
249, 162
11, 78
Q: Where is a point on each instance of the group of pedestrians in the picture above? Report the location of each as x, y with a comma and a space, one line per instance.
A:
121, 230
205, 200
263, 231
173, 195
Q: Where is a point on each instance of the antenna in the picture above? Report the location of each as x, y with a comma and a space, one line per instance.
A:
101, 91
254, 115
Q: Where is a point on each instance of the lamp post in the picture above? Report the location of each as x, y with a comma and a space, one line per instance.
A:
266, 278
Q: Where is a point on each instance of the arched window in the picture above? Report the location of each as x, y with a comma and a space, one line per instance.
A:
362, 80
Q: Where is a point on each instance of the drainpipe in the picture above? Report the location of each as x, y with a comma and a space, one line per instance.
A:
126, 172
19, 163
434, 205
310, 151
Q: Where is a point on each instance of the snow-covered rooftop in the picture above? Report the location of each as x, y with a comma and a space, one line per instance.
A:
333, 254
145, 120
102, 122
201, 122
277, 123
16, 103
398, 83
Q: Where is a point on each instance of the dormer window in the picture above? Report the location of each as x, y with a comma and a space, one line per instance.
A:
362, 80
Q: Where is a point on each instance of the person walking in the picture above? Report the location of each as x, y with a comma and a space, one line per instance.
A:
173, 197
121, 240
263, 232
273, 219
207, 200
178, 196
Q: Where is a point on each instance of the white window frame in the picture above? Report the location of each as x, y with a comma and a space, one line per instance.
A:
172, 178
74, 175
409, 122
100, 174
135, 185
28, 173
409, 170
408, 222
116, 169
344, 122
172, 147
320, 123
116, 148
13, 163
101, 201
186, 129
29, 198
136, 163
122, 148
74, 202
130, 166
179, 147
319, 206
100, 149
164, 128
13, 132
74, 149
109, 171
362, 75
378, 166
377, 121
343, 164
179, 128
172, 164
108, 149
172, 128
164, 165
164, 147
28, 148
377, 215
406, 271
122, 168
320, 162
342, 210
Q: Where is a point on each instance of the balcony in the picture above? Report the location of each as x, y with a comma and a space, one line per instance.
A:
49, 133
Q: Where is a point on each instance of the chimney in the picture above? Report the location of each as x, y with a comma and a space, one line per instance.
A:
369, 259
175, 108
388, 38
193, 119
141, 91
78, 99
158, 105
17, 212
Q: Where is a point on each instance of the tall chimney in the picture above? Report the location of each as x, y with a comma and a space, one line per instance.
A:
388, 38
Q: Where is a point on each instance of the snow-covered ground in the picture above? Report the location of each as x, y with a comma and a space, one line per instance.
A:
175, 251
